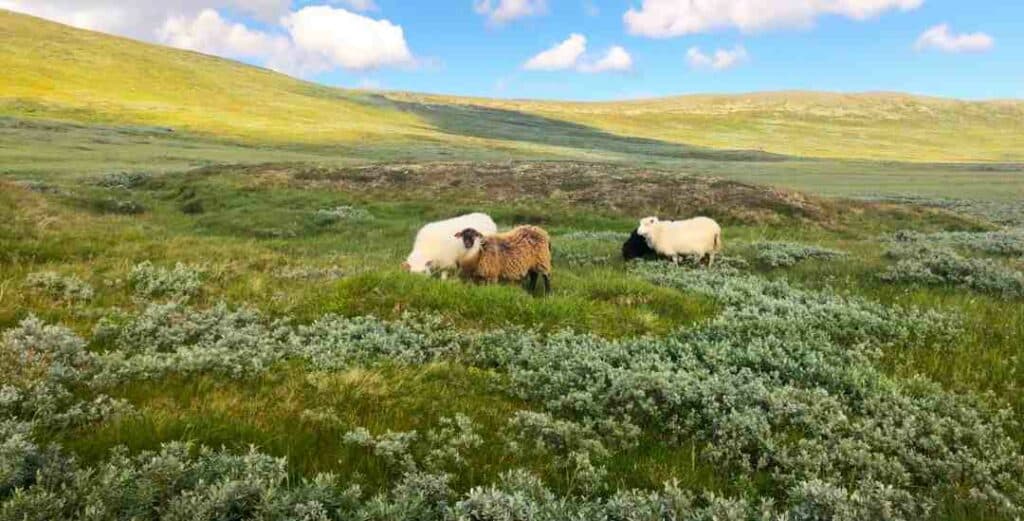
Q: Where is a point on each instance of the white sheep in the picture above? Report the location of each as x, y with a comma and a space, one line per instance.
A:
700, 236
437, 250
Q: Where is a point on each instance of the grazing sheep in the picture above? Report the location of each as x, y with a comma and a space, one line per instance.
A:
437, 250
512, 256
699, 236
636, 247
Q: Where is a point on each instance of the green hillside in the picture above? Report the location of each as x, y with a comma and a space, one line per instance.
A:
56, 72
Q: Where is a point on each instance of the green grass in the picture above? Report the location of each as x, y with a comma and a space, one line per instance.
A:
57, 72
256, 222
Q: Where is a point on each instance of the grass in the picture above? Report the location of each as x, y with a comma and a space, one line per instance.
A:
257, 223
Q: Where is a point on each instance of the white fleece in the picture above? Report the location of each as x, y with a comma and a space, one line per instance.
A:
698, 236
436, 249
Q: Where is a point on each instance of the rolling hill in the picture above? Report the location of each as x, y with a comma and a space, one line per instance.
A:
52, 71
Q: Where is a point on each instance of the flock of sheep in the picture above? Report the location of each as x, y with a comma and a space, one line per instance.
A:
471, 244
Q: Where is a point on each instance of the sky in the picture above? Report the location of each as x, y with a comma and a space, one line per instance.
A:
591, 49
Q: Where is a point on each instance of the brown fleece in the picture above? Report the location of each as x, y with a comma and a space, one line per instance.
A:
511, 255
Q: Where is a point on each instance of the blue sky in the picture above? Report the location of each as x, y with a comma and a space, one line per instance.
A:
456, 47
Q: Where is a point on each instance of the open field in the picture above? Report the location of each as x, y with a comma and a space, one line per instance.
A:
202, 314
262, 238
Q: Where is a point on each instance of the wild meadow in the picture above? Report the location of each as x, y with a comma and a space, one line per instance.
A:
239, 341
203, 314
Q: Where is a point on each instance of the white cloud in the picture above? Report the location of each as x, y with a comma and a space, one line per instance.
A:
312, 39
560, 57
721, 59
668, 18
617, 59
359, 5
571, 54
208, 32
940, 38
509, 10
347, 39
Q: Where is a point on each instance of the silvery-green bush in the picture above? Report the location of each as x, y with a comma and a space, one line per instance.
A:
778, 362
64, 287
328, 216
784, 385
1008, 242
148, 281
123, 180
786, 254
589, 235
941, 266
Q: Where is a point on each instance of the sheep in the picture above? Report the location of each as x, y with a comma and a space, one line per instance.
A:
699, 236
436, 250
512, 256
636, 247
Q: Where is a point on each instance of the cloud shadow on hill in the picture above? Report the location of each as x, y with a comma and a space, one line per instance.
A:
510, 125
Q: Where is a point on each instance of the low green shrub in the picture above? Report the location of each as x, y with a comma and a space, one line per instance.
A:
786, 254
63, 287
149, 281
941, 266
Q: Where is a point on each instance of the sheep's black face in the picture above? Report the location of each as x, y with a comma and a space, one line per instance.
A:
468, 236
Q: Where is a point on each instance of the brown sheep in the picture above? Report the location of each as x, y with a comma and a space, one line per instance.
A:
512, 256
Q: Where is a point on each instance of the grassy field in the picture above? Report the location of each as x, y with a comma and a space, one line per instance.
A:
257, 236
203, 315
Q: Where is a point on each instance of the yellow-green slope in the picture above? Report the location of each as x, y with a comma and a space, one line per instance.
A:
54, 71
887, 126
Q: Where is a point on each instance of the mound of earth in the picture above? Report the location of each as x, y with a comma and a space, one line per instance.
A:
608, 188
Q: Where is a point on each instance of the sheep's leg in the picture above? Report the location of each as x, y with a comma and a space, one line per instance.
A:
547, 284
711, 259
532, 284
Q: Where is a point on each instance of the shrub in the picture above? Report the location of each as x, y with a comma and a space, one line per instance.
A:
786, 254
937, 266
1009, 242
63, 287
310, 273
149, 281
329, 216
587, 235
123, 180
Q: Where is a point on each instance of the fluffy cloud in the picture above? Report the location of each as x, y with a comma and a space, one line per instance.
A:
508, 10
560, 57
668, 18
616, 59
347, 39
940, 38
721, 59
572, 54
313, 39
208, 32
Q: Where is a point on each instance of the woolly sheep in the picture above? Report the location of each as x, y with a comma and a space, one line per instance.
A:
512, 256
636, 247
437, 250
699, 236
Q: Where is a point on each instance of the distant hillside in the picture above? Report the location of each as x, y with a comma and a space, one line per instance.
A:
887, 126
57, 72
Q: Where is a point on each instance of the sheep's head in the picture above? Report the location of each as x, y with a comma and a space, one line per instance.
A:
416, 264
645, 225
469, 237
